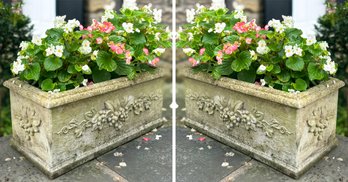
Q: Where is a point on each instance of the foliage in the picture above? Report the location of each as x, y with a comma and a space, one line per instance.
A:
122, 44
14, 28
278, 55
333, 28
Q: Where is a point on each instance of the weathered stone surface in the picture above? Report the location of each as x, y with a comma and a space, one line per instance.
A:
60, 131
146, 161
287, 131
202, 160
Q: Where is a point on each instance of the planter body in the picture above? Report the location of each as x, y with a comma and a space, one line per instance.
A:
287, 131
60, 131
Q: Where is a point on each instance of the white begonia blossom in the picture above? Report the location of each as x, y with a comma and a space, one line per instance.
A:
17, 66
107, 15
157, 36
263, 82
188, 51
293, 91
240, 15
84, 82
58, 51
219, 27
297, 50
86, 68
310, 39
147, 7
261, 69
199, 8
94, 55
217, 4
36, 40
59, 21
288, 51
262, 47
277, 25
253, 55
128, 27
50, 50
159, 51
288, 21
190, 36
323, 45
69, 27
130, 4
210, 30
190, 15
54, 91
330, 67
157, 15
23, 45
85, 47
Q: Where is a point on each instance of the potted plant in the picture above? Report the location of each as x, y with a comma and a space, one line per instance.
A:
83, 91
264, 91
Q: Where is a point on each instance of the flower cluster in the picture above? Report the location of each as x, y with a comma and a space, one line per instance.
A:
70, 55
277, 55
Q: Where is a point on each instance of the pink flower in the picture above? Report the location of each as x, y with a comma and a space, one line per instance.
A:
248, 40
193, 61
99, 40
229, 48
219, 56
128, 57
154, 61
117, 48
241, 27
201, 52
106, 27
146, 51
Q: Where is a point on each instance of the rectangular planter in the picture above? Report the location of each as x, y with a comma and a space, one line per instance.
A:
60, 131
289, 132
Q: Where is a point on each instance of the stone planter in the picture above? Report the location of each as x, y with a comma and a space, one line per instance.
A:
289, 132
58, 132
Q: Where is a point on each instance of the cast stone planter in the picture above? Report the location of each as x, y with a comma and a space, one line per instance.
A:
289, 132
58, 132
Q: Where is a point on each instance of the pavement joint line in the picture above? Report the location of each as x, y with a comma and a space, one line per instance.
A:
231, 177
115, 176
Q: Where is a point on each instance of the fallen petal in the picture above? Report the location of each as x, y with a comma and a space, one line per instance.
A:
225, 164
229, 154
138, 147
189, 137
154, 130
146, 148
209, 147
340, 159
158, 137
201, 139
7, 159
193, 130
118, 154
201, 148
122, 164
146, 139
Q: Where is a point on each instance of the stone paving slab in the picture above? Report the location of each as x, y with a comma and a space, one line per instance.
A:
202, 159
148, 158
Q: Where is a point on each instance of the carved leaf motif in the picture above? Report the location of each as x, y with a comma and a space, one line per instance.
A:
238, 106
36, 122
109, 106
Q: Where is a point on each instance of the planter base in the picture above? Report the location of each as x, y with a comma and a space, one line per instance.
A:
256, 154
80, 159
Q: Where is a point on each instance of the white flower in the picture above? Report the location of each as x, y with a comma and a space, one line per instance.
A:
128, 27
210, 30
293, 91
217, 4
159, 51
157, 36
288, 51
288, 21
84, 82
240, 15
54, 91
262, 43
253, 55
130, 4
95, 53
327, 58
147, 8
190, 36
190, 15
24, 45
188, 51
297, 50
107, 15
69, 27
157, 15
58, 51
263, 82
330, 67
219, 27
36, 40
59, 21
237, 6
137, 30
261, 69
323, 45
278, 27
262, 47
199, 8
17, 66
311, 40
50, 50
85, 47
86, 68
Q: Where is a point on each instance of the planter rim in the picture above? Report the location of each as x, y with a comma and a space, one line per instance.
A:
299, 100
49, 100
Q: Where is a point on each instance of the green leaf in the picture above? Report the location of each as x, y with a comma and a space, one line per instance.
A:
125, 69
284, 76
314, 72
52, 63
295, 63
293, 34
210, 38
137, 39
32, 72
231, 38
71, 69
300, 84
247, 75
53, 35
63, 76
224, 68
116, 38
100, 76
47, 85
242, 62
105, 61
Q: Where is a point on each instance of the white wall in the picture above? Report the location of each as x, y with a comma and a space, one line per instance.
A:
306, 13
41, 13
